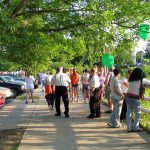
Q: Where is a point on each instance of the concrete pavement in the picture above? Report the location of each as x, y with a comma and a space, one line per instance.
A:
45, 131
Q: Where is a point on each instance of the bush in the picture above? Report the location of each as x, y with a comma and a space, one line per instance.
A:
147, 71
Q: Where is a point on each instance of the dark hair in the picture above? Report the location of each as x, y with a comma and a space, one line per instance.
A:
74, 70
86, 70
116, 72
65, 70
129, 71
137, 75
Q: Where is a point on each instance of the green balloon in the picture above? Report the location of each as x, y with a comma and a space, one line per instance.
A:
144, 31
108, 60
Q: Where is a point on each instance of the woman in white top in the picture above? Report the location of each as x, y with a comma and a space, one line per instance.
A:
29, 87
94, 95
132, 100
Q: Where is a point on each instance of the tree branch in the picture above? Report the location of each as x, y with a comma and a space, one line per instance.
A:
6, 2
50, 11
71, 26
125, 26
62, 28
18, 8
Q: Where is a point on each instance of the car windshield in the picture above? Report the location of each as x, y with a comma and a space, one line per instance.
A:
9, 78
2, 78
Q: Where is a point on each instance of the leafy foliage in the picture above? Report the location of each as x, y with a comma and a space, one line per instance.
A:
35, 33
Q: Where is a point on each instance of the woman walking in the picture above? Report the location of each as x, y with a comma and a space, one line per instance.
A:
74, 76
29, 87
49, 93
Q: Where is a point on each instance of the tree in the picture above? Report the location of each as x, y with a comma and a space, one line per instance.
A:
33, 33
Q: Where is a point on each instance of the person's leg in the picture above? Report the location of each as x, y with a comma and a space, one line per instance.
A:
110, 103
123, 111
97, 102
27, 95
137, 112
108, 97
111, 119
65, 100
98, 108
117, 110
52, 99
47, 97
129, 113
57, 102
92, 107
73, 93
84, 94
31, 92
76, 93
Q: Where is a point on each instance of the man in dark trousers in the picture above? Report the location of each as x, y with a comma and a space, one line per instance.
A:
60, 82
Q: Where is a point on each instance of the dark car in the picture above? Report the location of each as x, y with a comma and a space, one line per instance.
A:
15, 77
17, 88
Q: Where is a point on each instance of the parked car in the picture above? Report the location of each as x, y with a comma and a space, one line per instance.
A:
9, 78
2, 100
17, 88
15, 77
6, 92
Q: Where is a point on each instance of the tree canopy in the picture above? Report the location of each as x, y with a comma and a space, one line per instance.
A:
36, 33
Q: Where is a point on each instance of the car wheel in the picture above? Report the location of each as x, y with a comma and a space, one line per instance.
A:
15, 91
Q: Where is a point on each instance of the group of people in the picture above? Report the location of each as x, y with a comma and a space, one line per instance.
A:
123, 95
129, 96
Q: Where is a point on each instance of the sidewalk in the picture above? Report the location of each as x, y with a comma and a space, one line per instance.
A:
46, 132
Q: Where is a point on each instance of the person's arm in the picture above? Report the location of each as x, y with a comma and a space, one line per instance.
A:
53, 83
107, 79
146, 83
125, 84
117, 89
146, 98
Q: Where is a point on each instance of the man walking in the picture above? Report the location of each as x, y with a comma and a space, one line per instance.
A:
60, 82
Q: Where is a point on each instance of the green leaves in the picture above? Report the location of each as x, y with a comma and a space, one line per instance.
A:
34, 32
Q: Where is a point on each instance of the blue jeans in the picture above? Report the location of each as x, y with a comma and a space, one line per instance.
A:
114, 119
133, 105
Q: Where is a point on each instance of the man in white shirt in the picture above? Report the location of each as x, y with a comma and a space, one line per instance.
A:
61, 80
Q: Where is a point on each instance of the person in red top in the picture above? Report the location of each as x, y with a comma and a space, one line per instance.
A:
74, 76
49, 93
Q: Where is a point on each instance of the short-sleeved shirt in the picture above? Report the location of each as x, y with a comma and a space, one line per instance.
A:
60, 79
94, 82
113, 83
29, 82
134, 86
85, 78
101, 79
48, 79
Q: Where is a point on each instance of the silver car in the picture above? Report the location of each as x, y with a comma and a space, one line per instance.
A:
6, 92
